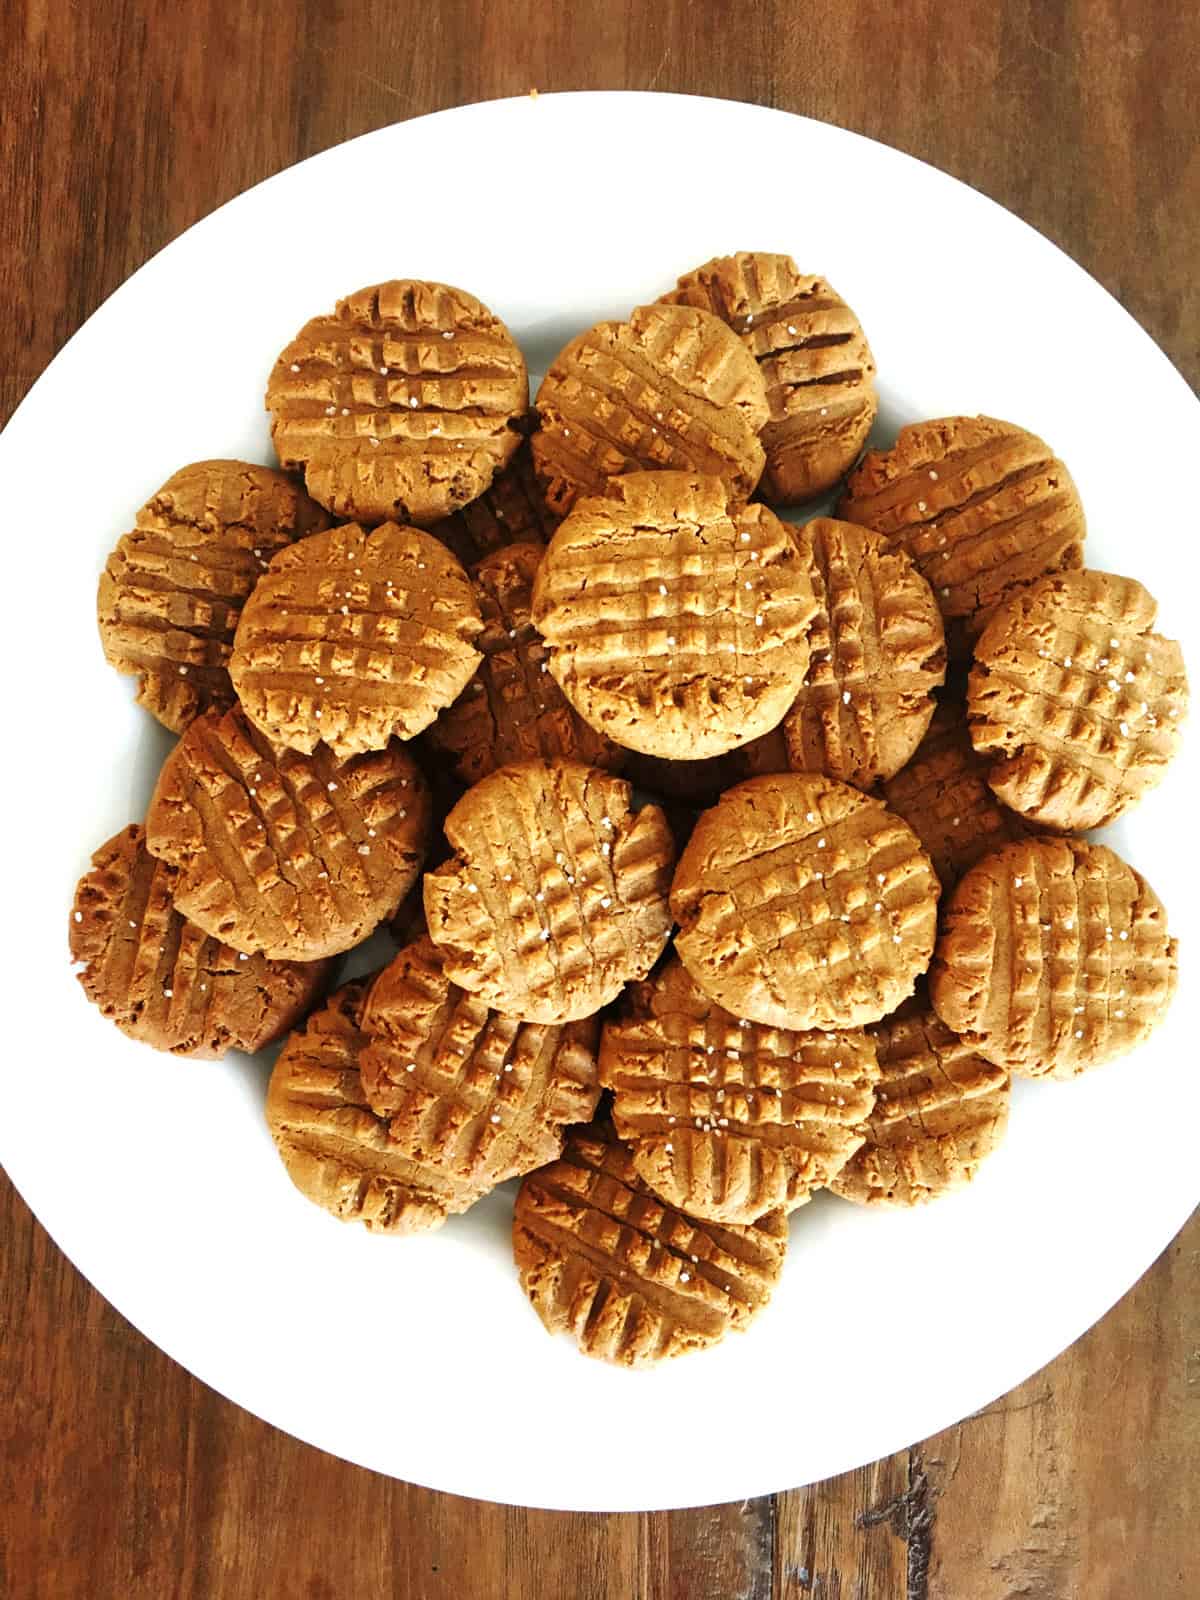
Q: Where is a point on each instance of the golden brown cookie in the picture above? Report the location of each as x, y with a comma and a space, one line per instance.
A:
804, 903
943, 796
336, 1150
940, 1109
172, 590
513, 710
675, 619
813, 355
511, 511
632, 1279
878, 652
672, 387
479, 1096
981, 506
400, 406
556, 896
1075, 704
295, 856
1053, 957
724, 1119
354, 637
164, 981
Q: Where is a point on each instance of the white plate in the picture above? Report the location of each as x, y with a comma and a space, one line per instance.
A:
421, 1358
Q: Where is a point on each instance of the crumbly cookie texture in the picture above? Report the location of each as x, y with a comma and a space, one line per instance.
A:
671, 388
877, 654
354, 637
295, 857
556, 896
401, 405
676, 620
479, 1096
940, 1110
1053, 957
944, 797
725, 1119
513, 708
162, 979
1074, 702
633, 1279
510, 511
172, 590
336, 1151
981, 506
804, 903
814, 358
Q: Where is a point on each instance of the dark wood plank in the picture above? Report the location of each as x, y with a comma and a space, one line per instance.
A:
124, 122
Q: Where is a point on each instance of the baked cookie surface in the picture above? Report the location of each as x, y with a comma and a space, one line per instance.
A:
162, 979
297, 857
401, 405
981, 506
354, 637
804, 903
479, 1096
336, 1151
1053, 957
877, 654
173, 588
1074, 702
944, 797
723, 1118
939, 1111
671, 388
510, 511
556, 896
632, 1279
513, 709
814, 358
676, 622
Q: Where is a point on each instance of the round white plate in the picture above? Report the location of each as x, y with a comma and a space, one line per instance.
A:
421, 1358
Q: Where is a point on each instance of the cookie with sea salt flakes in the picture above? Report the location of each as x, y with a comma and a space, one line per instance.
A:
725, 1119
675, 619
804, 903
173, 588
1073, 701
478, 1096
631, 1278
1053, 957
294, 856
940, 1110
983, 507
672, 388
511, 511
354, 637
513, 709
401, 405
334, 1148
877, 654
162, 979
944, 797
813, 355
556, 895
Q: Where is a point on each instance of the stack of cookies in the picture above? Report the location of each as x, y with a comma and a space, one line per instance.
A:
712, 891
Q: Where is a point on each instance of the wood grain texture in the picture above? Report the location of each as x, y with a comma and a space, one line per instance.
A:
127, 120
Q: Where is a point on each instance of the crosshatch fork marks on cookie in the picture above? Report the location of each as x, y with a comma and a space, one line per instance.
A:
557, 893
480, 1096
634, 1280
297, 856
724, 1118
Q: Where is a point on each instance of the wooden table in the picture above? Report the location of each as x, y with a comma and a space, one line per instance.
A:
126, 120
